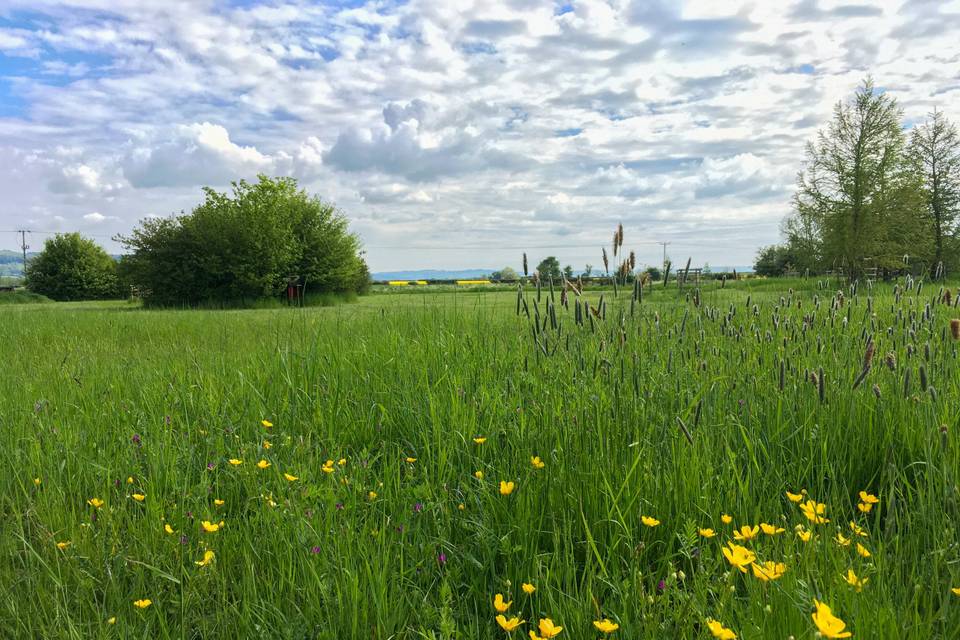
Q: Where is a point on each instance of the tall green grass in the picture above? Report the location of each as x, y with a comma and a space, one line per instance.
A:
96, 394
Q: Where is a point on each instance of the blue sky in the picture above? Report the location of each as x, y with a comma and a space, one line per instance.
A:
451, 134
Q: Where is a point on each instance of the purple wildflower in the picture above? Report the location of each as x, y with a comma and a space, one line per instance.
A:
417, 508
315, 550
136, 439
442, 558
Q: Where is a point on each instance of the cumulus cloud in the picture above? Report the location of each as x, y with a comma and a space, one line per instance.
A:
428, 121
195, 154
409, 144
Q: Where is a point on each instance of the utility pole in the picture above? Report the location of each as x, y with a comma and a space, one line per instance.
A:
664, 253
23, 245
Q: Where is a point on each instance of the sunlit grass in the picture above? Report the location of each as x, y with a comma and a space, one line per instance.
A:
424, 455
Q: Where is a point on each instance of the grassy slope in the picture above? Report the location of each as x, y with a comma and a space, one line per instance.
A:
420, 375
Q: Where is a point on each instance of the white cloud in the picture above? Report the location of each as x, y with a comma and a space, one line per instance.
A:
433, 122
96, 217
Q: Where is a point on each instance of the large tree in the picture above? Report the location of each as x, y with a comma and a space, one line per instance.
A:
243, 246
72, 267
857, 196
935, 149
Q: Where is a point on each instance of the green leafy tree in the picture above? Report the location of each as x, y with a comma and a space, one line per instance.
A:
238, 247
568, 272
655, 273
935, 151
549, 268
507, 273
72, 267
857, 194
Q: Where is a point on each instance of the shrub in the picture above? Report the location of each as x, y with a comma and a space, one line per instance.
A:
72, 267
242, 247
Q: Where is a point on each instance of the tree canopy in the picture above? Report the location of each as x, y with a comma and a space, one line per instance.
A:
72, 267
238, 247
549, 268
866, 198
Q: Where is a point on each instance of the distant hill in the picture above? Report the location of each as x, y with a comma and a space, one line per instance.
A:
11, 263
433, 274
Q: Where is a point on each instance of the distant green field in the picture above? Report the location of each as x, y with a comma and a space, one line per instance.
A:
397, 417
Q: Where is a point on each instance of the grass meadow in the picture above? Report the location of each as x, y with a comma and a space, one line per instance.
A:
383, 469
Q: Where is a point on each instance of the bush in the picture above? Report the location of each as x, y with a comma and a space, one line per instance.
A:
72, 267
235, 249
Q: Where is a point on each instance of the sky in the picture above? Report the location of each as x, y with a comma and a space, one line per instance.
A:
451, 134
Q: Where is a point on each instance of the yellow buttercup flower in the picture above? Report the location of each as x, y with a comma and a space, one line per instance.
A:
266, 423
771, 529
263, 464
142, 604
290, 478
794, 497
372, 495
855, 582
719, 631
327, 466
536, 462
768, 570
218, 502
479, 440
235, 462
508, 625
139, 497
649, 521
606, 625
462, 507
63, 545
814, 511
36, 482
499, 604
860, 531
168, 529
706, 533
830, 626
746, 533
726, 519
208, 557
868, 498
842, 540
804, 534
129, 479
96, 503
506, 488
956, 591
739, 557
342, 462
411, 460
863, 551
267, 444
210, 527
864, 507
478, 474
548, 629
112, 620
528, 588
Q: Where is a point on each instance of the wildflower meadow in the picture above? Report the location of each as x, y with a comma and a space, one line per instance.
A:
748, 459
